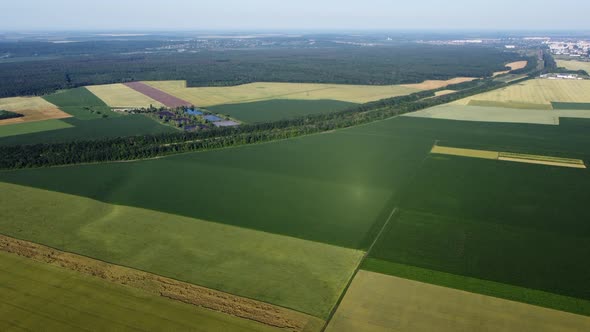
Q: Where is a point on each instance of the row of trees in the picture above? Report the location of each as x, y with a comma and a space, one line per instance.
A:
139, 147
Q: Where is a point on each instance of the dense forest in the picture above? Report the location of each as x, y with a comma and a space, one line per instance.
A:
139, 147
410, 63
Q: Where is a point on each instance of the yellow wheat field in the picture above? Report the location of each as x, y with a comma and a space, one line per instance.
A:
378, 303
509, 156
513, 66
33, 109
574, 65
465, 152
120, 95
437, 84
444, 92
211, 96
535, 92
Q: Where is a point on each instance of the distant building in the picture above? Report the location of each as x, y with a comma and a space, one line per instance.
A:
212, 118
225, 124
166, 114
195, 111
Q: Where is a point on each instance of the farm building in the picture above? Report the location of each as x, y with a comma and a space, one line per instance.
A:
195, 111
164, 114
195, 127
182, 120
212, 118
225, 124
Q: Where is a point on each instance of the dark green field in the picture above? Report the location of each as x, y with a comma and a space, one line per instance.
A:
347, 178
91, 129
509, 223
81, 103
273, 110
570, 106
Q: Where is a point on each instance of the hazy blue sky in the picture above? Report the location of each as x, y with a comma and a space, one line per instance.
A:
293, 14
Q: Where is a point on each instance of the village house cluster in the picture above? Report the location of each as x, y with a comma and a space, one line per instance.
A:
573, 49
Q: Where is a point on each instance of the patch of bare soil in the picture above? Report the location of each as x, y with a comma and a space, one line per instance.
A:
173, 289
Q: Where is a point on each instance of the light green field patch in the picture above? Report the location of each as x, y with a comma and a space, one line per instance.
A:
574, 65
498, 114
491, 114
32, 127
378, 303
293, 273
536, 91
41, 297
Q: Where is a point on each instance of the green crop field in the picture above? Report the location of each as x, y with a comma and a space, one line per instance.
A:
74, 129
340, 193
81, 103
344, 200
516, 224
40, 297
213, 255
278, 109
32, 127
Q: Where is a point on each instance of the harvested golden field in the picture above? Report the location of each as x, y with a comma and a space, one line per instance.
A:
541, 160
437, 84
534, 92
378, 303
574, 65
509, 156
120, 95
33, 109
513, 66
464, 152
211, 96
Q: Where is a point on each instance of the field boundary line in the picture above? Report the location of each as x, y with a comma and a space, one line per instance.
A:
358, 267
